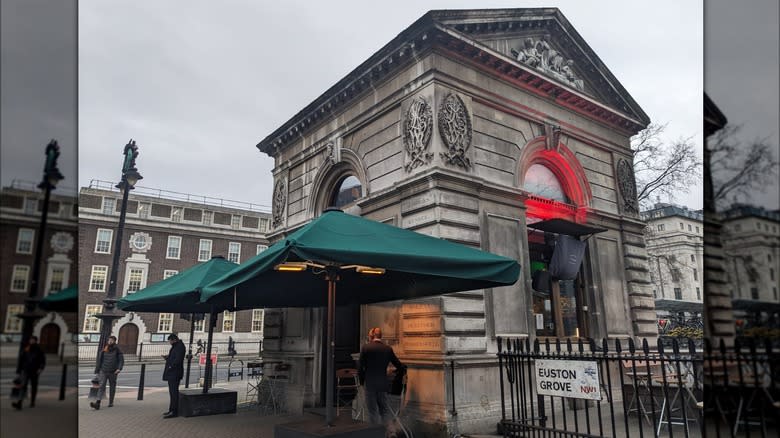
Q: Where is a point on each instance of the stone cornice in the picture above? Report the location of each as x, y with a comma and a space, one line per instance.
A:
429, 32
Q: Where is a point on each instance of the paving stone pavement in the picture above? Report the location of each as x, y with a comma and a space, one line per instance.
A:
132, 417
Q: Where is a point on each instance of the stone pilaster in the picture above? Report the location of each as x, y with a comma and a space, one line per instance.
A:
640, 294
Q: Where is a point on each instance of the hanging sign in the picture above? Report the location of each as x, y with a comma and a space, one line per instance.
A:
568, 378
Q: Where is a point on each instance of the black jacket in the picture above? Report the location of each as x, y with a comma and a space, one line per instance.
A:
120, 361
374, 358
33, 360
174, 363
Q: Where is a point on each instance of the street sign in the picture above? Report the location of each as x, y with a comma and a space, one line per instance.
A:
568, 378
202, 360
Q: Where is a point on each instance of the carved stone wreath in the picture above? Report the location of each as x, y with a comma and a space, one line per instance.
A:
455, 131
418, 127
627, 185
280, 198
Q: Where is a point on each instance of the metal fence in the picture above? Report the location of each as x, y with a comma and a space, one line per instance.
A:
637, 391
155, 351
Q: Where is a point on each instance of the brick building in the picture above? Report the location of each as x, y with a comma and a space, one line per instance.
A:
20, 216
165, 233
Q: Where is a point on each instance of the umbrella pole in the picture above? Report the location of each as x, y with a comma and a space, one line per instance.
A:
329, 408
207, 379
189, 355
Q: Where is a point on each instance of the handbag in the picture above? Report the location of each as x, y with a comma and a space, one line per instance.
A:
18, 389
94, 389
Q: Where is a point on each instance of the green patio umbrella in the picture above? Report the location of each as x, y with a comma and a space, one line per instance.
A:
347, 249
181, 294
66, 300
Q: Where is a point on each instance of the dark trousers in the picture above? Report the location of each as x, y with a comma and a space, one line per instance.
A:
110, 378
30, 380
173, 391
377, 407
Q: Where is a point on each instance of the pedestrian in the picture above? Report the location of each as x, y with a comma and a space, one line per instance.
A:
173, 373
374, 358
109, 365
29, 369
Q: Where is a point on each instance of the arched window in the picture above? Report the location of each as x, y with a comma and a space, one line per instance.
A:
347, 191
541, 181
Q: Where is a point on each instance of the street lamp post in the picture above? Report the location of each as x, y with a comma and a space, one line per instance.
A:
130, 177
51, 176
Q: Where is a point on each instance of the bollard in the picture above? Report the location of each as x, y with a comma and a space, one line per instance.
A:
62, 352
140, 351
453, 412
141, 382
62, 381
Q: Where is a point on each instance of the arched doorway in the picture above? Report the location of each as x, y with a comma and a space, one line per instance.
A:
50, 338
556, 188
128, 338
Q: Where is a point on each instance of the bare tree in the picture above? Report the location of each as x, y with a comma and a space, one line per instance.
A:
738, 169
663, 168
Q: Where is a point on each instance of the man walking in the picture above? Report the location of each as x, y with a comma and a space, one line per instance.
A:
374, 358
109, 365
30, 367
173, 373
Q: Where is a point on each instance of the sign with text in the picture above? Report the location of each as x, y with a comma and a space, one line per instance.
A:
568, 378
202, 360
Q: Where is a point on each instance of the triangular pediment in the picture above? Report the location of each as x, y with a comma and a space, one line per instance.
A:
542, 40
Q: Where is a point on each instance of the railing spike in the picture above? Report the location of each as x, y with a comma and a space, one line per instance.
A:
675, 347
618, 347
631, 346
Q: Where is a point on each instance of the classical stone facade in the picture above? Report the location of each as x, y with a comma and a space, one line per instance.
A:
508, 142
165, 233
20, 217
675, 246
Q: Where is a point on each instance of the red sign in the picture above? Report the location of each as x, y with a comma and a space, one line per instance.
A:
202, 359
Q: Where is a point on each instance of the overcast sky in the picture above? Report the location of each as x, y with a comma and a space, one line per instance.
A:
198, 85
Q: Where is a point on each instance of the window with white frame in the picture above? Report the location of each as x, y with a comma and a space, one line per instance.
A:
234, 252
109, 204
165, 324
20, 278
13, 324
204, 250
30, 206
235, 221
198, 326
143, 209
24, 241
228, 318
56, 279
97, 279
263, 225
661, 227
91, 323
169, 273
135, 279
261, 248
174, 248
257, 320
176, 215
208, 216
103, 240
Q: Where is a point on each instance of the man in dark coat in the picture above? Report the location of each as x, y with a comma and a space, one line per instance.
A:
109, 365
374, 358
173, 373
30, 367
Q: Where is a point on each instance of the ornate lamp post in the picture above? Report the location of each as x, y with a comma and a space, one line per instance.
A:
130, 177
51, 176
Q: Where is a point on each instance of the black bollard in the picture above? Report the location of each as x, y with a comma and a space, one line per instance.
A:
62, 381
141, 382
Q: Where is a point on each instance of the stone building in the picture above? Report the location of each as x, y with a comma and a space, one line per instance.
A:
20, 218
471, 126
165, 232
751, 246
675, 248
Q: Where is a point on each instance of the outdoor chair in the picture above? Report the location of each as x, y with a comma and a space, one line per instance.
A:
636, 376
273, 386
346, 387
254, 376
